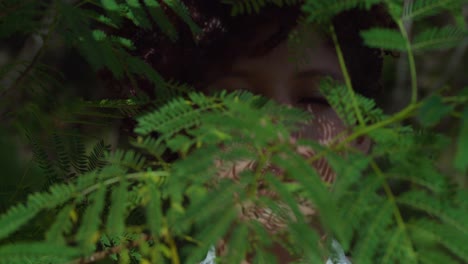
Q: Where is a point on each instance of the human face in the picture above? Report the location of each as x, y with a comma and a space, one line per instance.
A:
292, 82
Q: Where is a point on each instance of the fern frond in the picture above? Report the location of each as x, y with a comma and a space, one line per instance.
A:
134, 11
340, 99
17, 216
88, 233
24, 251
434, 257
177, 115
117, 213
63, 224
95, 159
461, 157
322, 11
158, 15
237, 246
14, 218
64, 162
240, 7
391, 252
79, 159
375, 228
41, 157
154, 209
182, 11
384, 38
209, 235
433, 206
427, 176
450, 238
140, 68
419, 9
439, 38
56, 195
126, 159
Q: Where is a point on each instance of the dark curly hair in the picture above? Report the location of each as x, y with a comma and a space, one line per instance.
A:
224, 38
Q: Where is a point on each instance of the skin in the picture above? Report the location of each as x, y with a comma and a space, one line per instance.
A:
276, 76
292, 82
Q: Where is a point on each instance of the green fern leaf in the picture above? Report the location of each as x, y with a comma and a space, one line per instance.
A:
367, 245
17, 216
79, 160
158, 14
322, 11
154, 209
110, 5
384, 38
56, 195
41, 157
63, 224
433, 257
438, 38
237, 246
218, 228
95, 159
390, 252
447, 236
432, 110
137, 14
173, 117
115, 225
341, 100
433, 206
419, 9
182, 11
64, 162
461, 157
23, 251
126, 159
14, 218
88, 233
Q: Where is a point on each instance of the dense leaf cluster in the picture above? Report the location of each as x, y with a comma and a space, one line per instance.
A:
392, 205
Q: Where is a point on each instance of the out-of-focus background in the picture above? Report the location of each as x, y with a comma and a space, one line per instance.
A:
43, 80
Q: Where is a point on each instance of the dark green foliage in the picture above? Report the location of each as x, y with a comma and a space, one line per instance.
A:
391, 205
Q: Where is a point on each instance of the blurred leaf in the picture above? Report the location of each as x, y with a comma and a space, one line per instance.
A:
432, 110
384, 38
461, 157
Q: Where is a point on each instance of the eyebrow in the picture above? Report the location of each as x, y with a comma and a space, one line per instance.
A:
237, 74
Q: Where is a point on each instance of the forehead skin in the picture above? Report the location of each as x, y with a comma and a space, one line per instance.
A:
286, 73
278, 76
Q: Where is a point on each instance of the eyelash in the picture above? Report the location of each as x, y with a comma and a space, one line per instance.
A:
314, 100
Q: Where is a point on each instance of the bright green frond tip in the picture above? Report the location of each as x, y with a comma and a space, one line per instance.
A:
110, 5
384, 38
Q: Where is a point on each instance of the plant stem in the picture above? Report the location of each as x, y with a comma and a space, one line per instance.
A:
346, 76
412, 63
396, 212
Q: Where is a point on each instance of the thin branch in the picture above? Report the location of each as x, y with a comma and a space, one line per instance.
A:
100, 255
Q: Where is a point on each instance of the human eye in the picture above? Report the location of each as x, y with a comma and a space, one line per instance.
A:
311, 97
315, 100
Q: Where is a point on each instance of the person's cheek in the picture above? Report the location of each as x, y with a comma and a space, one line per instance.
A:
325, 127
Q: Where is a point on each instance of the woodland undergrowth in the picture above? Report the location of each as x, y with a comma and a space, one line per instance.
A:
132, 204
